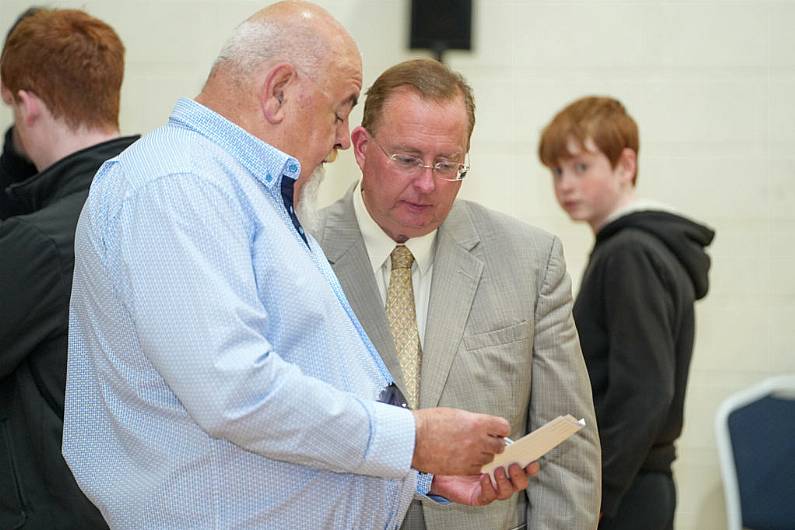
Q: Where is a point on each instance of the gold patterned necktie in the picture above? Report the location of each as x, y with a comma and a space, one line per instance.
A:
403, 321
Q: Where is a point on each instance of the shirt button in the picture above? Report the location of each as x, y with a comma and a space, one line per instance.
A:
291, 209
293, 168
300, 230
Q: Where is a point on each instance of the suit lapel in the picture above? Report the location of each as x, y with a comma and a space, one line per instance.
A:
344, 247
456, 274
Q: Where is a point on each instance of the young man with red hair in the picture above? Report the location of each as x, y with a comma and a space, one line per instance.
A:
61, 73
634, 312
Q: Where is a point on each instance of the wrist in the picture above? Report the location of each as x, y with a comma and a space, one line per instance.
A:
419, 437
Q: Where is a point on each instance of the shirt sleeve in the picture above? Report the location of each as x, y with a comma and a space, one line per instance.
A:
641, 358
565, 493
423, 493
181, 252
33, 291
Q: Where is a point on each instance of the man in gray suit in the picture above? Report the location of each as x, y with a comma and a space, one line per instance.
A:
487, 326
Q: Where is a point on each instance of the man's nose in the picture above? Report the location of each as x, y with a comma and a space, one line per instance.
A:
343, 140
425, 181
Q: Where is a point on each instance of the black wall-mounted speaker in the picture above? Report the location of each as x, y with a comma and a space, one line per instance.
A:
441, 25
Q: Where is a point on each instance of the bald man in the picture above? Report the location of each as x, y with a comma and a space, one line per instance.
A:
217, 376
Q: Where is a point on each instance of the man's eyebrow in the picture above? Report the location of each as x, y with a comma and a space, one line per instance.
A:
407, 149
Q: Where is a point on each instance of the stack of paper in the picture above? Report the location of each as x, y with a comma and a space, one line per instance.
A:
535, 444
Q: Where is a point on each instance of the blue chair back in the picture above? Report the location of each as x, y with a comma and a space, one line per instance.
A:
762, 435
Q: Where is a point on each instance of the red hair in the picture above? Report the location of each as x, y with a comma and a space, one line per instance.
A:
603, 120
72, 61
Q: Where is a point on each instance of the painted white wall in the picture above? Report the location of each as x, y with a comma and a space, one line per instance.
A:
711, 84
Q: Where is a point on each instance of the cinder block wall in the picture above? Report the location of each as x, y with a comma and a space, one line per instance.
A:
710, 82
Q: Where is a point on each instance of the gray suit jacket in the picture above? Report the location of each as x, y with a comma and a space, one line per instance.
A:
499, 339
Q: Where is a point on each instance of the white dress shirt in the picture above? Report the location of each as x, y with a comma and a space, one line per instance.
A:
217, 377
379, 247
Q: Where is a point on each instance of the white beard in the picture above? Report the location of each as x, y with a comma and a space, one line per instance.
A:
306, 206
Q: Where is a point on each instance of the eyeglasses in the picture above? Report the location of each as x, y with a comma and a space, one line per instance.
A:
413, 165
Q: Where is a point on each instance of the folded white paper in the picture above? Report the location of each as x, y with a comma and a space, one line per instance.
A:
534, 445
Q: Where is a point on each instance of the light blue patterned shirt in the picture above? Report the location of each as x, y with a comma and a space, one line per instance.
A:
217, 377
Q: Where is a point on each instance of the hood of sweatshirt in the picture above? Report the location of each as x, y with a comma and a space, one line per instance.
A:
685, 238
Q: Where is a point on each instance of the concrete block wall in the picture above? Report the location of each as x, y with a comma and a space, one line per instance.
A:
711, 84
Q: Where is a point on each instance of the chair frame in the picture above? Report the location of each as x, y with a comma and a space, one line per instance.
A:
779, 386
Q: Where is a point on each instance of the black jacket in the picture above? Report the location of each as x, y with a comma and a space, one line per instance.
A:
13, 168
37, 489
636, 321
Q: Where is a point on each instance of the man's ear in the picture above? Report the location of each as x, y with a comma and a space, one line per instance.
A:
627, 165
275, 91
360, 139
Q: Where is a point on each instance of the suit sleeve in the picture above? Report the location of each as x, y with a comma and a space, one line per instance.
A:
33, 292
566, 492
641, 367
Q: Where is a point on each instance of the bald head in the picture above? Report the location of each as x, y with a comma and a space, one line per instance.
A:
290, 76
300, 33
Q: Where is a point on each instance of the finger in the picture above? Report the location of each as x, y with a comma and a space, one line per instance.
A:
487, 491
493, 445
476, 462
504, 487
532, 469
473, 469
484, 458
518, 477
498, 427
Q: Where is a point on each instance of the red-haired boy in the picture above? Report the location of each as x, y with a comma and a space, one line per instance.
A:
61, 73
634, 311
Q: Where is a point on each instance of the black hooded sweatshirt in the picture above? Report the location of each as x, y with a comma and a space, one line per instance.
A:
13, 168
37, 489
636, 321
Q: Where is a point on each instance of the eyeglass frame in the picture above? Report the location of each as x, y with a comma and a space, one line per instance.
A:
463, 168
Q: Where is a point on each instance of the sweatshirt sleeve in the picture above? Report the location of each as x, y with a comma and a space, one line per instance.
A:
33, 291
641, 357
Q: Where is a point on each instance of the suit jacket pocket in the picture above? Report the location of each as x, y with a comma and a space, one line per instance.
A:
513, 333
491, 374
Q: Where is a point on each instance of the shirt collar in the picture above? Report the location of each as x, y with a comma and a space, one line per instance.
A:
379, 245
264, 161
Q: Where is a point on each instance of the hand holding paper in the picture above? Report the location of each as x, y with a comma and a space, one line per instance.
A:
456, 442
478, 490
533, 446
